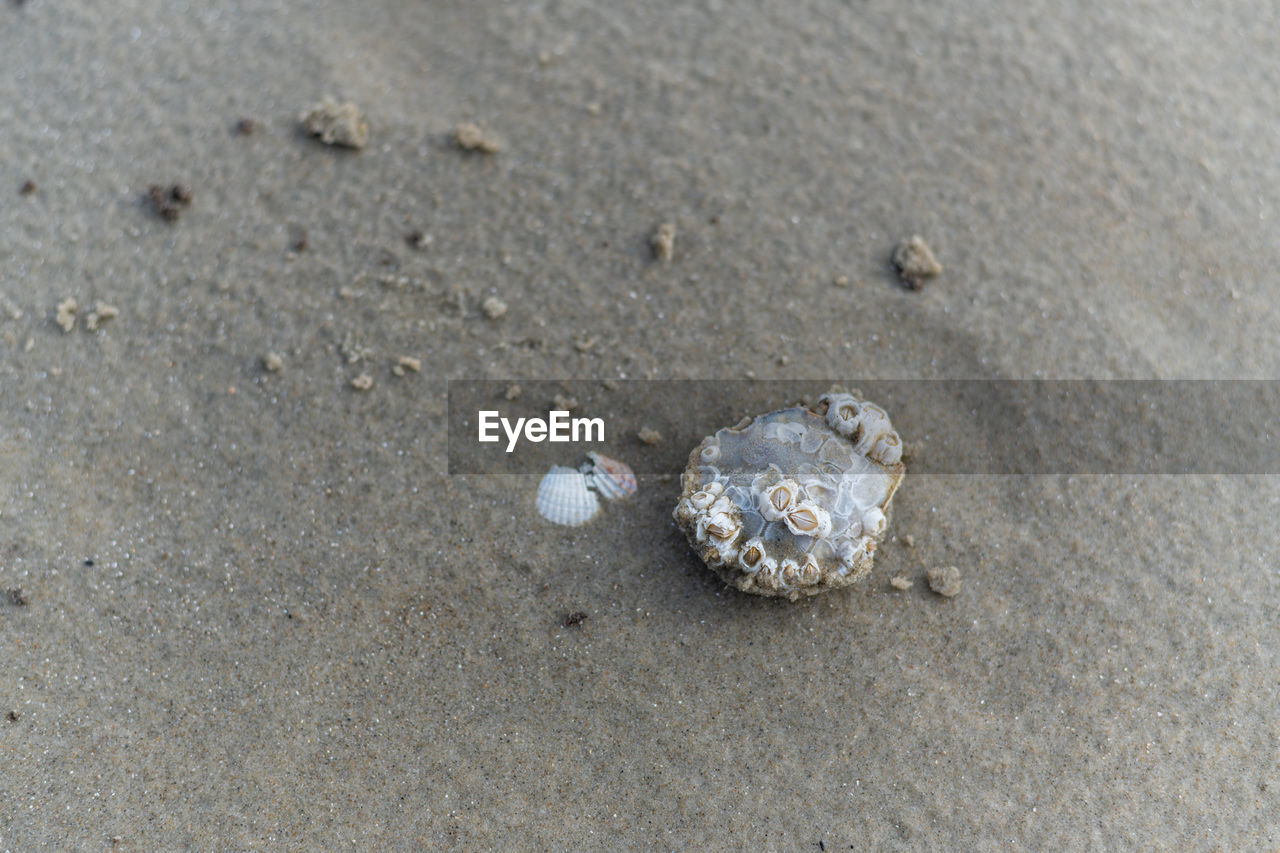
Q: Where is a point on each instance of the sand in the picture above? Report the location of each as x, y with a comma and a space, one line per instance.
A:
262, 616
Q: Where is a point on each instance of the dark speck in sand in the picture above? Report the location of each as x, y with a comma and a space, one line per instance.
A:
13, 716
88, 562
169, 201
575, 619
19, 597
28, 187
246, 127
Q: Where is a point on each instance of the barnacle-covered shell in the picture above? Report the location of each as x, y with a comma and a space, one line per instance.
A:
564, 497
794, 502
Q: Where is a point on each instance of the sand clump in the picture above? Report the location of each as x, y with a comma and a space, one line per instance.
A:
901, 582
406, 363
363, 382
340, 124
494, 308
100, 316
945, 581
471, 137
663, 241
65, 315
273, 362
649, 436
915, 262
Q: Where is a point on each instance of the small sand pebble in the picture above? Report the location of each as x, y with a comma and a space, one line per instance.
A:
841, 281
406, 363
469, 137
915, 262
246, 127
19, 597
363, 382
649, 436
104, 313
908, 540
901, 582
494, 308
66, 314
663, 241
945, 580
28, 187
562, 403
337, 124
273, 362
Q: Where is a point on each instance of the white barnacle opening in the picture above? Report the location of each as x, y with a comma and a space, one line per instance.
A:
752, 556
808, 519
777, 500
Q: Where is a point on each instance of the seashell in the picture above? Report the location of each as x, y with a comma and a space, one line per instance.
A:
710, 453
797, 499
564, 497
611, 478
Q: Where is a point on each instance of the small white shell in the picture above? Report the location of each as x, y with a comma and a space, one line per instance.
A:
611, 478
564, 498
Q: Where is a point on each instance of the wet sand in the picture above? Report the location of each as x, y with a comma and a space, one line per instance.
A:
259, 612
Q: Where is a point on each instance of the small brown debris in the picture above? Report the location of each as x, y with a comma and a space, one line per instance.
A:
663, 241
273, 362
418, 239
901, 582
469, 137
337, 124
494, 308
66, 314
575, 619
101, 315
945, 580
28, 187
363, 382
915, 262
169, 201
13, 716
406, 363
649, 436
513, 391
19, 597
301, 243
246, 127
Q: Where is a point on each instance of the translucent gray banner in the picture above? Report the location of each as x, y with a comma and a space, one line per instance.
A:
947, 426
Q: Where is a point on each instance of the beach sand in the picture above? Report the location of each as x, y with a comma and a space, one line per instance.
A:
261, 615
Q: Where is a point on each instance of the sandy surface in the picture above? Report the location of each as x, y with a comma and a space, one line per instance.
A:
260, 613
